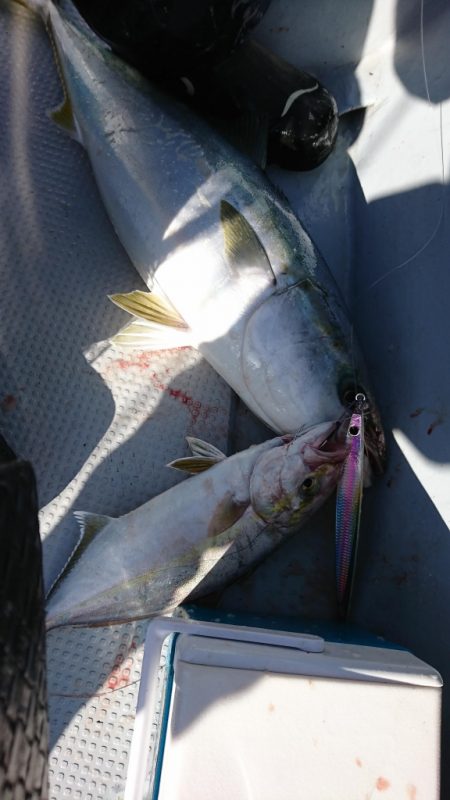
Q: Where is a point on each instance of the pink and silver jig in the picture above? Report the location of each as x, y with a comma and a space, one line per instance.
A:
348, 505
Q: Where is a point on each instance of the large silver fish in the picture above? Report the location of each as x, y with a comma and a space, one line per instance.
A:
198, 535
231, 269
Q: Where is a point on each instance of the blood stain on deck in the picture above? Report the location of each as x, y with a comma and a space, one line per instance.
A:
143, 361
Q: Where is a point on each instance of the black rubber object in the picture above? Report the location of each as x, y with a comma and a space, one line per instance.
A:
169, 38
23, 692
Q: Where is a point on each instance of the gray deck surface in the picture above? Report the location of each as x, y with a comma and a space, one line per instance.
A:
99, 427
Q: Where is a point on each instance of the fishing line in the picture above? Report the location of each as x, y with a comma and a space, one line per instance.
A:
352, 352
422, 47
423, 247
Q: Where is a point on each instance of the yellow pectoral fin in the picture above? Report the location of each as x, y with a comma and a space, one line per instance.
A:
243, 248
228, 511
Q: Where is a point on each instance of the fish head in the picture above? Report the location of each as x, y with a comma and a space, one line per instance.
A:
302, 364
291, 481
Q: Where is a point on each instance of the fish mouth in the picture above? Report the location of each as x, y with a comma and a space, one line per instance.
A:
329, 447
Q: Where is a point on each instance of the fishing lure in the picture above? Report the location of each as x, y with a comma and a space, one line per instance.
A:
348, 505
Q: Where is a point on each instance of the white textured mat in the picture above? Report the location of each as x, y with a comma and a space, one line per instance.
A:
93, 681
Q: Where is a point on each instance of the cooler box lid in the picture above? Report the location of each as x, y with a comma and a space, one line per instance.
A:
251, 720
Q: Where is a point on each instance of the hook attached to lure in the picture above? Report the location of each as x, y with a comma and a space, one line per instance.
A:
348, 505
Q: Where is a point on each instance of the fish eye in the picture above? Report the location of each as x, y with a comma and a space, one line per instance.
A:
309, 483
353, 430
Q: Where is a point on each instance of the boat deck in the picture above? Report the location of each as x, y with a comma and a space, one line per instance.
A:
99, 425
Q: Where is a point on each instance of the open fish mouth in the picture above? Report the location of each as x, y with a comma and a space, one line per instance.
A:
328, 447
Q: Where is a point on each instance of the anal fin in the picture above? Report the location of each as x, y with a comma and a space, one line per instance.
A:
140, 335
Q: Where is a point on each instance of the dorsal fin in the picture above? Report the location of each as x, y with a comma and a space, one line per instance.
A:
204, 456
63, 114
199, 447
90, 525
64, 118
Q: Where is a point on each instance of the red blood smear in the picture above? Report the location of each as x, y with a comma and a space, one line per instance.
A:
143, 361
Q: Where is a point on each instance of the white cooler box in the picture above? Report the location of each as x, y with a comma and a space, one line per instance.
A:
240, 713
